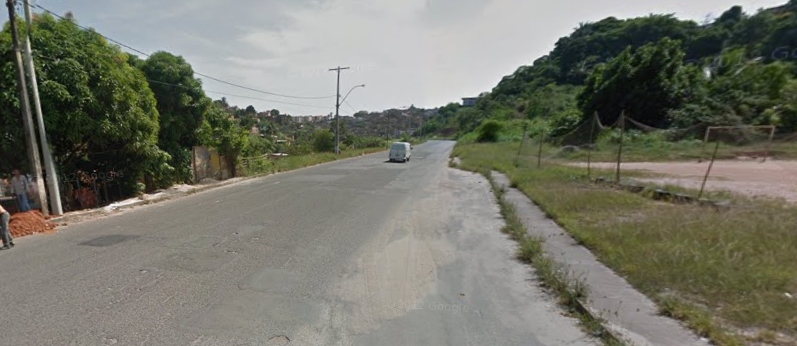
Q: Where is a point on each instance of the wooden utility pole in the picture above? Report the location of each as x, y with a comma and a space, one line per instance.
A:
591, 144
539, 153
27, 118
522, 139
620, 148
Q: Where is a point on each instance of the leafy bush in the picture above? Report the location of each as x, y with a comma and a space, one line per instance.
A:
258, 165
298, 150
489, 131
512, 131
369, 142
258, 146
564, 122
323, 141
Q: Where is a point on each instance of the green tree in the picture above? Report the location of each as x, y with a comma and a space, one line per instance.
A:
258, 146
323, 141
645, 83
344, 129
247, 121
489, 131
180, 103
221, 132
99, 111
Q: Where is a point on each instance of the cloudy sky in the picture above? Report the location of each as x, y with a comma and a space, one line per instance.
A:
421, 52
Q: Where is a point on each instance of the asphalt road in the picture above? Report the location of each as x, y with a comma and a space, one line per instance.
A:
355, 252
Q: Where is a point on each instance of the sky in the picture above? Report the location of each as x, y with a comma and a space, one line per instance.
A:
425, 53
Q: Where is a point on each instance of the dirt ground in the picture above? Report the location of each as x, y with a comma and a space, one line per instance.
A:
753, 178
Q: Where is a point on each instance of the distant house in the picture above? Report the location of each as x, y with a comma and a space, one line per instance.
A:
469, 101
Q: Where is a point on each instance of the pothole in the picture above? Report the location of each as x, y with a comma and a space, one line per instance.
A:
279, 340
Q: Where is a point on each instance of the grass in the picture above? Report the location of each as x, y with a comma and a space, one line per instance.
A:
659, 151
722, 272
570, 290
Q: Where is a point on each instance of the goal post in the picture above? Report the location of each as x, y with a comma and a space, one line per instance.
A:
766, 133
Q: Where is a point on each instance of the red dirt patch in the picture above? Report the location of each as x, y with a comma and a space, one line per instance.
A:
773, 178
28, 223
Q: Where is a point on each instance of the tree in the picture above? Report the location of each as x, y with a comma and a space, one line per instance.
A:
258, 146
344, 128
323, 141
247, 122
449, 110
180, 103
274, 113
222, 133
645, 83
99, 111
489, 131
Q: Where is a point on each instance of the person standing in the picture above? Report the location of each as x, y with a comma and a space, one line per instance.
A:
20, 186
5, 232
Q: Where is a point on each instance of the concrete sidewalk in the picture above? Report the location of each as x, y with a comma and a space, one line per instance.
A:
158, 196
628, 313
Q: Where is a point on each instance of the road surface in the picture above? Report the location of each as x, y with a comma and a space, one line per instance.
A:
355, 252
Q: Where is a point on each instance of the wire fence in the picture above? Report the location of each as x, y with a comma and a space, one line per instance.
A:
87, 190
595, 146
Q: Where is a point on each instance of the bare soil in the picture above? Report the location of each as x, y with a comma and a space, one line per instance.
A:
749, 177
32, 222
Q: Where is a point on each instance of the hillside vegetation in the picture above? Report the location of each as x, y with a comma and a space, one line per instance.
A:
659, 70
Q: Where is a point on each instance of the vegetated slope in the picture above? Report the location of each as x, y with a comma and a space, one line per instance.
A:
659, 69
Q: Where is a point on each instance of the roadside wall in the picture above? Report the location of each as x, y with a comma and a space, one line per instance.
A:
207, 163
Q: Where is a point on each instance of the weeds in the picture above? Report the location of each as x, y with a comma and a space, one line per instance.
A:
570, 290
730, 268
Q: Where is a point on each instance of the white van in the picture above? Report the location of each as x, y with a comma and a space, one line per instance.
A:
400, 151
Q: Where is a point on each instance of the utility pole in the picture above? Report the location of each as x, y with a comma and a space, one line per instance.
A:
27, 119
337, 111
409, 122
51, 177
421, 129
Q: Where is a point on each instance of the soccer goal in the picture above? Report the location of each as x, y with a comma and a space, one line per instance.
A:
744, 141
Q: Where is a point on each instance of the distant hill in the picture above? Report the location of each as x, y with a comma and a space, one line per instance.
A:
552, 88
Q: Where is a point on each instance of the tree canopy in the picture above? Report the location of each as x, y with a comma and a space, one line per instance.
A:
99, 111
660, 70
180, 103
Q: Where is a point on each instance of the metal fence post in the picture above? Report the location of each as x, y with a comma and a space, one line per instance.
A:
708, 171
620, 148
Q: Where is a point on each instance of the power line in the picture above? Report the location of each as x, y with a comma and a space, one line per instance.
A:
261, 99
195, 72
350, 106
234, 95
265, 92
39, 55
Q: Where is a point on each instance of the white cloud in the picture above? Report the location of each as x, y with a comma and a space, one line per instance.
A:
422, 52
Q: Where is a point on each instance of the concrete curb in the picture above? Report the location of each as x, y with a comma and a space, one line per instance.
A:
664, 195
626, 314
606, 333
82, 215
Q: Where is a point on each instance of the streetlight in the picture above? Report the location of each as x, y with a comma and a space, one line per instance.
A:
337, 119
352, 89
